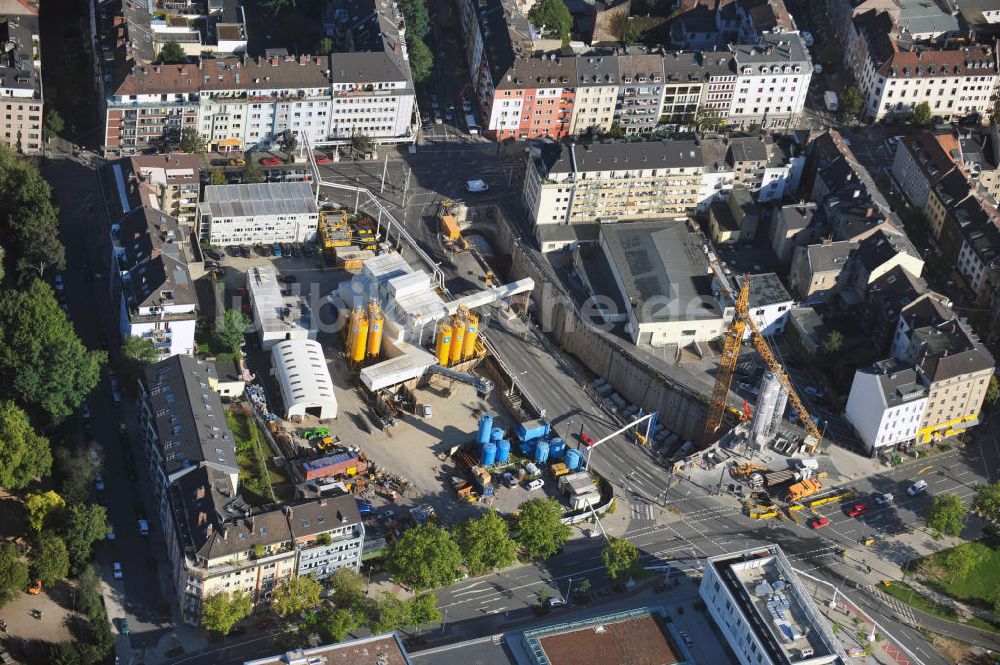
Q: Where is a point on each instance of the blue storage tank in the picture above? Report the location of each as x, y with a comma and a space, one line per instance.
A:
485, 425
541, 452
572, 459
556, 448
488, 455
496, 434
527, 448
503, 451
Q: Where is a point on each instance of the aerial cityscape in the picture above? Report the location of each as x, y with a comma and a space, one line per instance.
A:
499, 332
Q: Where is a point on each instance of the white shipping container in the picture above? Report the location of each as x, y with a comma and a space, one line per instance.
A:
404, 285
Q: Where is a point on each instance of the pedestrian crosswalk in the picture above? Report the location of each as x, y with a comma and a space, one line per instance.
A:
642, 511
899, 607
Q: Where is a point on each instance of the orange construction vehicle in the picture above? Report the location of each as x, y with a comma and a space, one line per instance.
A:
802, 489
35, 588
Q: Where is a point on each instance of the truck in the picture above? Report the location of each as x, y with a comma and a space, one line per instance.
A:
470, 122
803, 489
830, 99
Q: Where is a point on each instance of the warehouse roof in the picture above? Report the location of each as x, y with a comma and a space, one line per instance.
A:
264, 198
663, 270
275, 312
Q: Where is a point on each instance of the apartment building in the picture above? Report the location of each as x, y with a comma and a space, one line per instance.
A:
878, 254
686, 75
820, 271
241, 103
896, 73
952, 205
886, 404
920, 161
759, 17
979, 256
772, 79
328, 534
215, 541
956, 365
534, 99
170, 183
613, 182
597, 84
21, 107
640, 97
792, 226
258, 213
217, 27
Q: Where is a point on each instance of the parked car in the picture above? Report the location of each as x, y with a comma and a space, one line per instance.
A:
508, 479
884, 499
277, 249
808, 39
814, 392
536, 484
99, 483
857, 510
365, 507
287, 279
117, 569
270, 161
555, 601
425, 410
818, 522
449, 114
687, 639
123, 627
321, 158
916, 488
476, 186
586, 439
143, 527
466, 106
435, 102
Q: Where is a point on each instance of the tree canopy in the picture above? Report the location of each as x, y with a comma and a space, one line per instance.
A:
24, 454
76, 473
540, 530
219, 613
251, 173
340, 623
348, 587
619, 557
833, 342
29, 221
424, 557
986, 502
851, 102
232, 328
42, 508
418, 21
218, 178
192, 141
85, 525
485, 543
49, 559
296, 595
393, 613
172, 53
922, 116
963, 559
288, 142
421, 59
552, 17
43, 364
945, 516
13, 573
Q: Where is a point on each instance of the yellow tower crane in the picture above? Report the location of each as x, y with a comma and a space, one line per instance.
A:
727, 366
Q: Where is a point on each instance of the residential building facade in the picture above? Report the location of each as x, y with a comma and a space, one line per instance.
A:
597, 84
886, 404
258, 213
772, 79
21, 107
328, 534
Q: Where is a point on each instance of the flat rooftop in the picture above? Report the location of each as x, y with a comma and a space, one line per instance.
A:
260, 199
778, 609
661, 262
384, 649
635, 637
276, 312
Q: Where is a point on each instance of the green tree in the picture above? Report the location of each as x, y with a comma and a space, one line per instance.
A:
76, 474
288, 142
219, 613
421, 59
620, 556
64, 653
992, 390
616, 132
540, 529
218, 178
340, 623
85, 525
13, 573
424, 610
485, 543
296, 595
362, 144
192, 141
945, 516
139, 351
963, 559
232, 328
251, 173
323, 46
29, 221
424, 557
24, 454
632, 33
42, 508
418, 22
393, 613
88, 592
833, 342
171, 53
49, 559
348, 587
53, 123
922, 115
43, 364
850, 102
986, 502
552, 18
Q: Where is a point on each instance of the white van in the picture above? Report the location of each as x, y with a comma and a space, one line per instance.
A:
536, 484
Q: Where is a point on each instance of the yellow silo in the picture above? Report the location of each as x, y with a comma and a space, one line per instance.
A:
443, 346
471, 334
457, 337
374, 329
360, 334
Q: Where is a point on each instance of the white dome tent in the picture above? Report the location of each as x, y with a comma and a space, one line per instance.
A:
302, 374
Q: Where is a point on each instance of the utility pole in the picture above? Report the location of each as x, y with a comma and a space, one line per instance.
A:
385, 169
406, 185
568, 588
445, 622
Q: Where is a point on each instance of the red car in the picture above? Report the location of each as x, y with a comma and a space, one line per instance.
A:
321, 158
857, 509
587, 440
818, 523
270, 161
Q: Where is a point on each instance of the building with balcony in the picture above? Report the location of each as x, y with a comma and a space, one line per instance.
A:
597, 85
640, 94
150, 281
534, 99
170, 183
200, 26
258, 213
328, 534
764, 612
686, 75
613, 182
886, 403
21, 107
